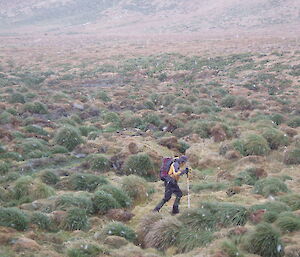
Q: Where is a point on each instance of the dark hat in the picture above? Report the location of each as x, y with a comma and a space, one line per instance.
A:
183, 158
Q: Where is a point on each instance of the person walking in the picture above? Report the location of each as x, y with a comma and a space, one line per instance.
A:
177, 169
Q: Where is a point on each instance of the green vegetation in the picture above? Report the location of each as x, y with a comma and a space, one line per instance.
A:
292, 156
41, 220
86, 182
269, 186
252, 145
264, 241
89, 250
14, 218
76, 219
69, 201
275, 138
139, 164
136, 187
119, 229
118, 194
103, 202
100, 163
36, 107
69, 137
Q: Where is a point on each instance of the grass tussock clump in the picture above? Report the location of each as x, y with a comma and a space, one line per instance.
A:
42, 221
292, 156
288, 222
275, 138
69, 137
120, 229
230, 249
69, 201
103, 202
139, 164
189, 238
27, 189
292, 200
264, 241
121, 197
252, 145
294, 122
146, 225
49, 177
100, 163
164, 233
4, 167
76, 219
86, 182
14, 218
213, 186
211, 216
136, 187
36, 107
269, 186
87, 250
271, 206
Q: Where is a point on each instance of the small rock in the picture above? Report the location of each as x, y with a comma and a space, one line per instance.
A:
24, 243
78, 106
119, 215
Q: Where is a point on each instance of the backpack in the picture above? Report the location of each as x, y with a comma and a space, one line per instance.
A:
165, 167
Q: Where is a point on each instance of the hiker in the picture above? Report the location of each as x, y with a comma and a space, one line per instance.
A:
177, 169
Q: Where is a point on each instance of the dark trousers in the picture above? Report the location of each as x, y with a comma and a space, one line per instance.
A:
171, 187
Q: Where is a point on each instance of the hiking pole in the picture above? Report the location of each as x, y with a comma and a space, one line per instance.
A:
188, 189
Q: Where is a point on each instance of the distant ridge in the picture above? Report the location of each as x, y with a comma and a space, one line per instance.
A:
170, 16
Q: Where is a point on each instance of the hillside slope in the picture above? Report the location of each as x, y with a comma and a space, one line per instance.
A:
150, 16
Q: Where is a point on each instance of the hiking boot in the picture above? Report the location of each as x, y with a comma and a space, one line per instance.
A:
155, 210
175, 211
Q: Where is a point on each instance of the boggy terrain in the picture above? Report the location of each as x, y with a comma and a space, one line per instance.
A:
85, 122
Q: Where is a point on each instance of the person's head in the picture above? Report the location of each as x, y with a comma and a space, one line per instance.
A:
182, 160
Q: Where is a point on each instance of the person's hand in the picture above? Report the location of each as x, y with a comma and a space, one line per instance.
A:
185, 171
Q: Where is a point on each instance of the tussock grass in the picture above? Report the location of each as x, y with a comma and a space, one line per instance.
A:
269, 186
121, 197
119, 229
86, 182
136, 187
69, 137
163, 233
264, 241
76, 219
103, 201
68, 201
14, 218
292, 200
